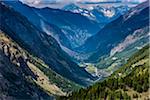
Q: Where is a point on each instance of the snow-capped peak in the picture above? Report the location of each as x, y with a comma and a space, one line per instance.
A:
98, 13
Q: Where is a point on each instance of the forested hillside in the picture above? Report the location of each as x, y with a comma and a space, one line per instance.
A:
129, 82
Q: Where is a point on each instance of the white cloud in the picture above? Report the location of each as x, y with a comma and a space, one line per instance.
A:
134, 1
61, 3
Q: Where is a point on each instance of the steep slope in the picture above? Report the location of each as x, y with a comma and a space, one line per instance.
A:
129, 82
41, 45
116, 31
33, 69
16, 78
124, 50
40, 22
75, 27
14, 85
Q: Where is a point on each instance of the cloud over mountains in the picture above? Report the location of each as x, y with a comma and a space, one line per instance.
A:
60, 3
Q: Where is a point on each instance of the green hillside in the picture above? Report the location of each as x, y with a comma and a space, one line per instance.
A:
33, 69
113, 62
128, 82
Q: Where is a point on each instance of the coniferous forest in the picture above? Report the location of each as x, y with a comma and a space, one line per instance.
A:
129, 82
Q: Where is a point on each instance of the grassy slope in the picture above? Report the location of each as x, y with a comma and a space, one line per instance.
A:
111, 64
50, 81
129, 82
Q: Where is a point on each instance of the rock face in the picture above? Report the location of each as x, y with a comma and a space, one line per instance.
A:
116, 31
14, 85
41, 45
16, 78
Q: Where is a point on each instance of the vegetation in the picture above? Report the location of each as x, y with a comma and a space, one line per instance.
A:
35, 66
113, 62
64, 84
130, 81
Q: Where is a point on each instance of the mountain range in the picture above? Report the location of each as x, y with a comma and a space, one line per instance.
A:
60, 24
102, 15
74, 52
40, 44
115, 32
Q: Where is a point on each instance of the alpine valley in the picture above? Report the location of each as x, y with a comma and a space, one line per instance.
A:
74, 50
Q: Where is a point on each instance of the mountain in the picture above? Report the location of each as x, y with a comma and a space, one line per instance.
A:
71, 30
20, 74
19, 64
40, 22
76, 27
123, 51
116, 31
41, 45
129, 82
108, 14
101, 14
34, 43
76, 9
14, 85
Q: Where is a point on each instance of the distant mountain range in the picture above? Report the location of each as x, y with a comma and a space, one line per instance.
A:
115, 32
102, 15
